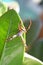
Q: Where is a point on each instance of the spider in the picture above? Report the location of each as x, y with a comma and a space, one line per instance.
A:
22, 30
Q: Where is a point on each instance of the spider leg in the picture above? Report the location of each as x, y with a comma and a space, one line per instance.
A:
29, 25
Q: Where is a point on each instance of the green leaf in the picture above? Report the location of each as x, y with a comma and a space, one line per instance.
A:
11, 52
3, 8
30, 60
37, 49
8, 26
33, 33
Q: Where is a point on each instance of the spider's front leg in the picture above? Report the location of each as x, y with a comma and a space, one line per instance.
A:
29, 26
